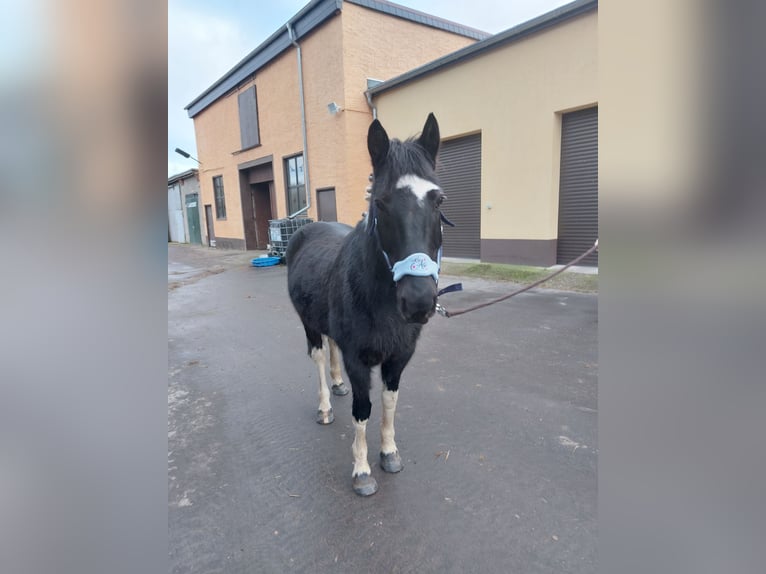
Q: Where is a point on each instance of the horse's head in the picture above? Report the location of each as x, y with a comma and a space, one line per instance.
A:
404, 215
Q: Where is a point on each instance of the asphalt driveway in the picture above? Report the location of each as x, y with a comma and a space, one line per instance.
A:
496, 426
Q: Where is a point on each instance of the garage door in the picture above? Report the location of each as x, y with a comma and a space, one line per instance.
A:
459, 171
578, 188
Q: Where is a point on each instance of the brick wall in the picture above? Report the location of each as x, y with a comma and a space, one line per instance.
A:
338, 57
379, 46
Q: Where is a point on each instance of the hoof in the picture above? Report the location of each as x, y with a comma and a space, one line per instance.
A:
325, 418
340, 390
391, 462
365, 485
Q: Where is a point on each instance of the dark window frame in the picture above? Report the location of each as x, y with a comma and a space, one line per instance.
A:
219, 198
299, 187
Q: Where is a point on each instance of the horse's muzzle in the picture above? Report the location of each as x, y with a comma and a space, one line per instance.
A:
416, 297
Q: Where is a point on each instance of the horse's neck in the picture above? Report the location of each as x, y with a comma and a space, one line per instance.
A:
374, 273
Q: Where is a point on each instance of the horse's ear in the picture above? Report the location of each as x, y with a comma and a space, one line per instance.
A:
377, 143
429, 139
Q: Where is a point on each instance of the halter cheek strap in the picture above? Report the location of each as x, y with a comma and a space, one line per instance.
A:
416, 264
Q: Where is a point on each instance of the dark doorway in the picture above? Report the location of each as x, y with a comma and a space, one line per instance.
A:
260, 195
209, 225
326, 207
256, 184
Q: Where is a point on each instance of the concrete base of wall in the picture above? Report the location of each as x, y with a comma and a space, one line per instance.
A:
537, 252
226, 243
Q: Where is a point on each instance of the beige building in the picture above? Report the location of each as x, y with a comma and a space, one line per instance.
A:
284, 131
519, 121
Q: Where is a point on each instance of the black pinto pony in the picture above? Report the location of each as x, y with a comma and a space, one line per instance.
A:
369, 290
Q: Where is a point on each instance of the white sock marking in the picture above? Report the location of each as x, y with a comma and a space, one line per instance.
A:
417, 185
335, 358
324, 392
359, 448
388, 400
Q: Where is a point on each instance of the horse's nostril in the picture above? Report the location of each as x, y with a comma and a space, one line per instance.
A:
417, 298
418, 310
420, 317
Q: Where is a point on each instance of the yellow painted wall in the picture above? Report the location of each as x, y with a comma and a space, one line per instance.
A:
514, 95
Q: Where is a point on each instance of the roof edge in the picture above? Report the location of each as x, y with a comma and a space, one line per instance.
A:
542, 22
309, 17
183, 175
330, 6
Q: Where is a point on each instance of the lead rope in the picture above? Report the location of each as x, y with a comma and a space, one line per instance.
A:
444, 313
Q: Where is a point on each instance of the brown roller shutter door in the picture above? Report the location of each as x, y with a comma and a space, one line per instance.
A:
578, 188
459, 171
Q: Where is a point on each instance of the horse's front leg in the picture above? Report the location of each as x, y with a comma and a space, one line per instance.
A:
391, 372
359, 374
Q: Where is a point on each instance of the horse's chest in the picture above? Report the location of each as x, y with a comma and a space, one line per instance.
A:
374, 337
386, 339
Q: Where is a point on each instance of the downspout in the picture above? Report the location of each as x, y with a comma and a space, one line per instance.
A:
372, 106
294, 42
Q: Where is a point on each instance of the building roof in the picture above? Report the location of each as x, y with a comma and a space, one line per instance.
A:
547, 20
193, 172
311, 16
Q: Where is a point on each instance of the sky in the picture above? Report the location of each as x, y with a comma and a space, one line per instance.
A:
206, 38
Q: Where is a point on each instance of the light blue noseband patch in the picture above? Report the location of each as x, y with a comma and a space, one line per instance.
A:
417, 264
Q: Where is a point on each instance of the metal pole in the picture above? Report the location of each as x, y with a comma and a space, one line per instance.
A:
303, 125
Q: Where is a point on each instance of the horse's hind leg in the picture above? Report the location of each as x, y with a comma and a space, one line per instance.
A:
338, 386
317, 353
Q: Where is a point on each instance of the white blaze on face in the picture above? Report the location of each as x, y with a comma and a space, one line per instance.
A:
417, 185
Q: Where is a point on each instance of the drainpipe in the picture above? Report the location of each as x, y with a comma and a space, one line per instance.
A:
291, 33
372, 106
371, 83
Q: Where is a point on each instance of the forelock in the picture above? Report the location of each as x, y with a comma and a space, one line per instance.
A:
404, 158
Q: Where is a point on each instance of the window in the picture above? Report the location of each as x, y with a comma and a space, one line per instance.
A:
220, 198
296, 184
248, 119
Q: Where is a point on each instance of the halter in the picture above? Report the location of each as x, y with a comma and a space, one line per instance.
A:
416, 264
